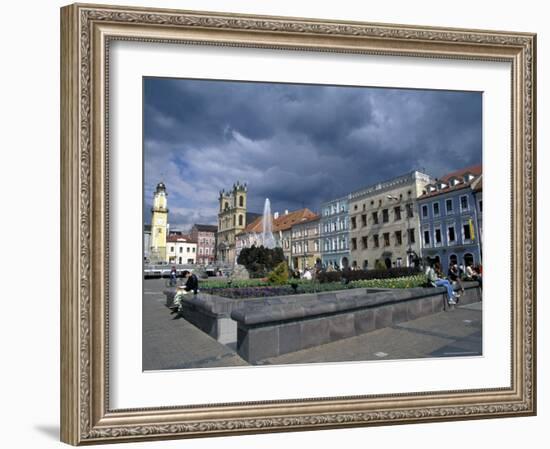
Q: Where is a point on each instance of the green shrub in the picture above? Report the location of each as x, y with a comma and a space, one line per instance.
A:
259, 261
379, 265
279, 275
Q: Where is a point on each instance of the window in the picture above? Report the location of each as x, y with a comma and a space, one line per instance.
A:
451, 237
316, 246
234, 220
398, 238
426, 237
354, 243
365, 240
438, 236
241, 201
464, 202
172, 249
386, 239
353, 223
375, 217
425, 211
449, 205
375, 239
240, 218
365, 264
397, 213
480, 205
409, 208
411, 236
188, 249
436, 209
364, 220
181, 249
467, 232
305, 247
385, 216
200, 250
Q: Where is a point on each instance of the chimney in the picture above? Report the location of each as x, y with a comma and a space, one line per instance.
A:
276, 215
286, 211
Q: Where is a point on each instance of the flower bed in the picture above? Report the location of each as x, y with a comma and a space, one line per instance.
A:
261, 289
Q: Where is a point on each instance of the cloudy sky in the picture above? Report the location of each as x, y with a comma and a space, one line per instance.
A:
296, 144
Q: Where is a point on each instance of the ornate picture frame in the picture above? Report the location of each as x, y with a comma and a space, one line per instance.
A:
87, 32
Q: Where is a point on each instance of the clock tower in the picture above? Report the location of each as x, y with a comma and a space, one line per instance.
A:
159, 224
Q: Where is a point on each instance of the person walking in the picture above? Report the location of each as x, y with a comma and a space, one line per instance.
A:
173, 276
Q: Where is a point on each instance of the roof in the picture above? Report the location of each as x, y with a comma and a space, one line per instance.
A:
180, 239
308, 220
475, 170
205, 228
283, 222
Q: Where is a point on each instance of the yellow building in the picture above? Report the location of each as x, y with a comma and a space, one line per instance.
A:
159, 225
231, 221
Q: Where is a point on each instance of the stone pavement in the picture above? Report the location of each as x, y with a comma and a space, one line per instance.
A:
454, 333
170, 343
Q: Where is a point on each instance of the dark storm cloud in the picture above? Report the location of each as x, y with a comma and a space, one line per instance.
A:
296, 144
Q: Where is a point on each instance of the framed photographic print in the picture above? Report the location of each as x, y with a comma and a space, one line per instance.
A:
278, 224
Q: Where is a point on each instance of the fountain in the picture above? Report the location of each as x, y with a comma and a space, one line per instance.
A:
267, 239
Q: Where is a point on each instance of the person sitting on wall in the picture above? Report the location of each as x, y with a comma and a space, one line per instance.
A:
433, 274
454, 276
473, 275
191, 285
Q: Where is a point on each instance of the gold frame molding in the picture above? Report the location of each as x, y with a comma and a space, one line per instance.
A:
86, 31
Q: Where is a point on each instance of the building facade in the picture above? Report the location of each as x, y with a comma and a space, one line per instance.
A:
181, 250
449, 221
159, 225
205, 236
306, 251
384, 223
281, 227
334, 229
231, 221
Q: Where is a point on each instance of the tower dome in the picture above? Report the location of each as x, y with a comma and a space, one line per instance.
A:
161, 187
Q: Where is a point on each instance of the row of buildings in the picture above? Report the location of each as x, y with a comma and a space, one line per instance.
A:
393, 223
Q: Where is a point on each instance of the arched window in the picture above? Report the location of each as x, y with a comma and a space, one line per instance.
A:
241, 201
240, 216
468, 260
234, 220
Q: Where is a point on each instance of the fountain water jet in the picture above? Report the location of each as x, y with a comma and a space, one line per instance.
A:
267, 239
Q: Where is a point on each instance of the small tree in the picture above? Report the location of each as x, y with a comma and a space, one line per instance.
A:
379, 265
259, 261
279, 275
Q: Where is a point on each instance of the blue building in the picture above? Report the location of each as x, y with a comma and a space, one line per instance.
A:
450, 219
335, 232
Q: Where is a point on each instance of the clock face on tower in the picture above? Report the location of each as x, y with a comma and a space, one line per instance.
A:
160, 221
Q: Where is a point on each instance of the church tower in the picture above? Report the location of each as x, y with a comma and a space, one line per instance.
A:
231, 220
159, 224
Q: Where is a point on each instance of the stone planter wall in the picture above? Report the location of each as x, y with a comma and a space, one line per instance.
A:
268, 330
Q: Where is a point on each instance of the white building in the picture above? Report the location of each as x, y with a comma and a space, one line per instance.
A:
181, 250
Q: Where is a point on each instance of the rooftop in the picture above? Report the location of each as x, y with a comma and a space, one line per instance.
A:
457, 180
283, 222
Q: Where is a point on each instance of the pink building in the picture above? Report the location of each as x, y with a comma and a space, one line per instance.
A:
205, 236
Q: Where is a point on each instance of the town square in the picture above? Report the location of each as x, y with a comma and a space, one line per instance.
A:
297, 260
